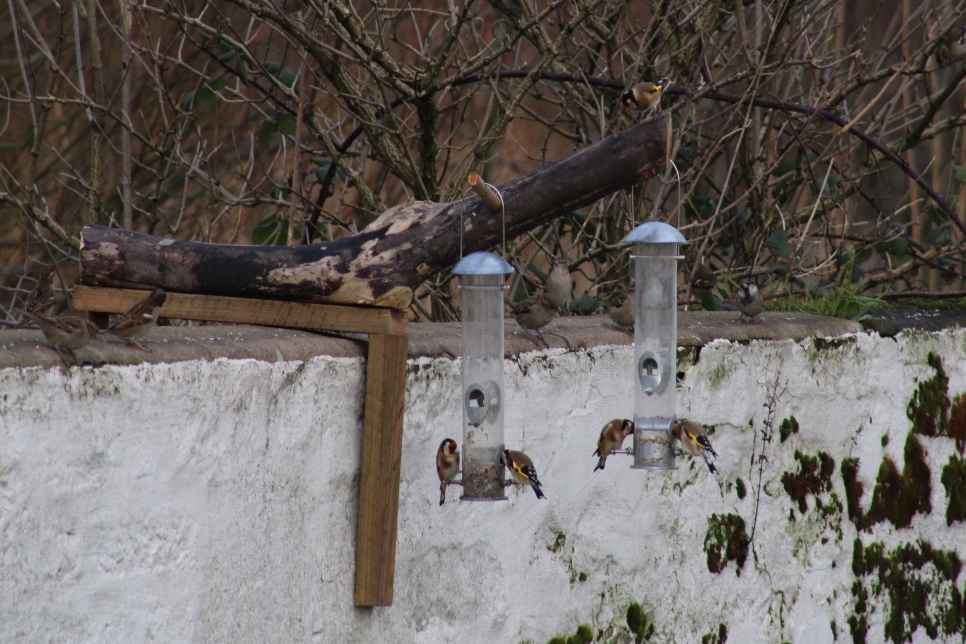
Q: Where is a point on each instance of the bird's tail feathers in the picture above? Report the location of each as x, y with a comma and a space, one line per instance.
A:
539, 492
707, 459
442, 492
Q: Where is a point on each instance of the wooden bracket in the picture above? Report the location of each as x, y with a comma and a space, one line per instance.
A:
385, 402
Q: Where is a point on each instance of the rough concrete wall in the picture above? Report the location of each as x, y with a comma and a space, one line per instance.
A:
215, 501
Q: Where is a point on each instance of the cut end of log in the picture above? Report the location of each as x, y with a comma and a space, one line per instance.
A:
489, 196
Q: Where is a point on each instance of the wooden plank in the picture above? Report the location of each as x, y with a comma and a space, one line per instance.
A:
215, 308
381, 458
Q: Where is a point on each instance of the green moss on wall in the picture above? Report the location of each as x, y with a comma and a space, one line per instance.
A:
716, 638
919, 583
639, 623
853, 489
956, 426
898, 497
929, 407
788, 427
814, 477
726, 541
954, 480
740, 488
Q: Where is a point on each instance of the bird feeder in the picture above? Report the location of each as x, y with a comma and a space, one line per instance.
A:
655, 342
482, 278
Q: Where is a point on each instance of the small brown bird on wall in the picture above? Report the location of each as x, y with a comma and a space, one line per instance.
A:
645, 96
559, 285
535, 312
749, 300
703, 281
622, 309
66, 332
138, 321
40, 299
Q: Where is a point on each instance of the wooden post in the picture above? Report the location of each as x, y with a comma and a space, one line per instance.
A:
381, 460
385, 402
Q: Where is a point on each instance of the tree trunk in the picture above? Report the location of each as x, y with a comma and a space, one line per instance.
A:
386, 262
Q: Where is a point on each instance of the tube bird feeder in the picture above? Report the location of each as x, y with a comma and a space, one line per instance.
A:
482, 277
655, 342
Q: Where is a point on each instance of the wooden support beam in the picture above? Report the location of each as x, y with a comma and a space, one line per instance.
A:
381, 459
385, 402
241, 310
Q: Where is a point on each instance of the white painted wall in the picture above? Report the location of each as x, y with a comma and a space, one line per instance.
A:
216, 501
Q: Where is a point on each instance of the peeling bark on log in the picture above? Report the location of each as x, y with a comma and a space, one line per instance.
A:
386, 262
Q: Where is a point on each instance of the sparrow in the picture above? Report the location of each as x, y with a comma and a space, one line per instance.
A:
694, 439
622, 309
645, 96
447, 465
749, 300
138, 320
534, 313
66, 332
522, 470
40, 299
559, 287
612, 437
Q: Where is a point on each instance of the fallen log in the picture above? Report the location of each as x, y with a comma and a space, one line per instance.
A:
386, 262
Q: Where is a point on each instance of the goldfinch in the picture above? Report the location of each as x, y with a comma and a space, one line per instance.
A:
522, 470
137, 321
749, 300
40, 299
694, 439
645, 96
447, 465
612, 437
559, 287
66, 332
622, 309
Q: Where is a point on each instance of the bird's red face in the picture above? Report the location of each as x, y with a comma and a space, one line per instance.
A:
449, 447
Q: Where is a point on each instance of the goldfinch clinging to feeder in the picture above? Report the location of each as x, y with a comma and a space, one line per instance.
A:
138, 320
612, 437
749, 300
522, 470
694, 439
447, 465
645, 96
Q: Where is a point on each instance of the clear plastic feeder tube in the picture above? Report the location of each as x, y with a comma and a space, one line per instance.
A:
655, 343
483, 391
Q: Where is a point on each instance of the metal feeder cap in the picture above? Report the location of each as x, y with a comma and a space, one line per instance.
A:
656, 232
482, 263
